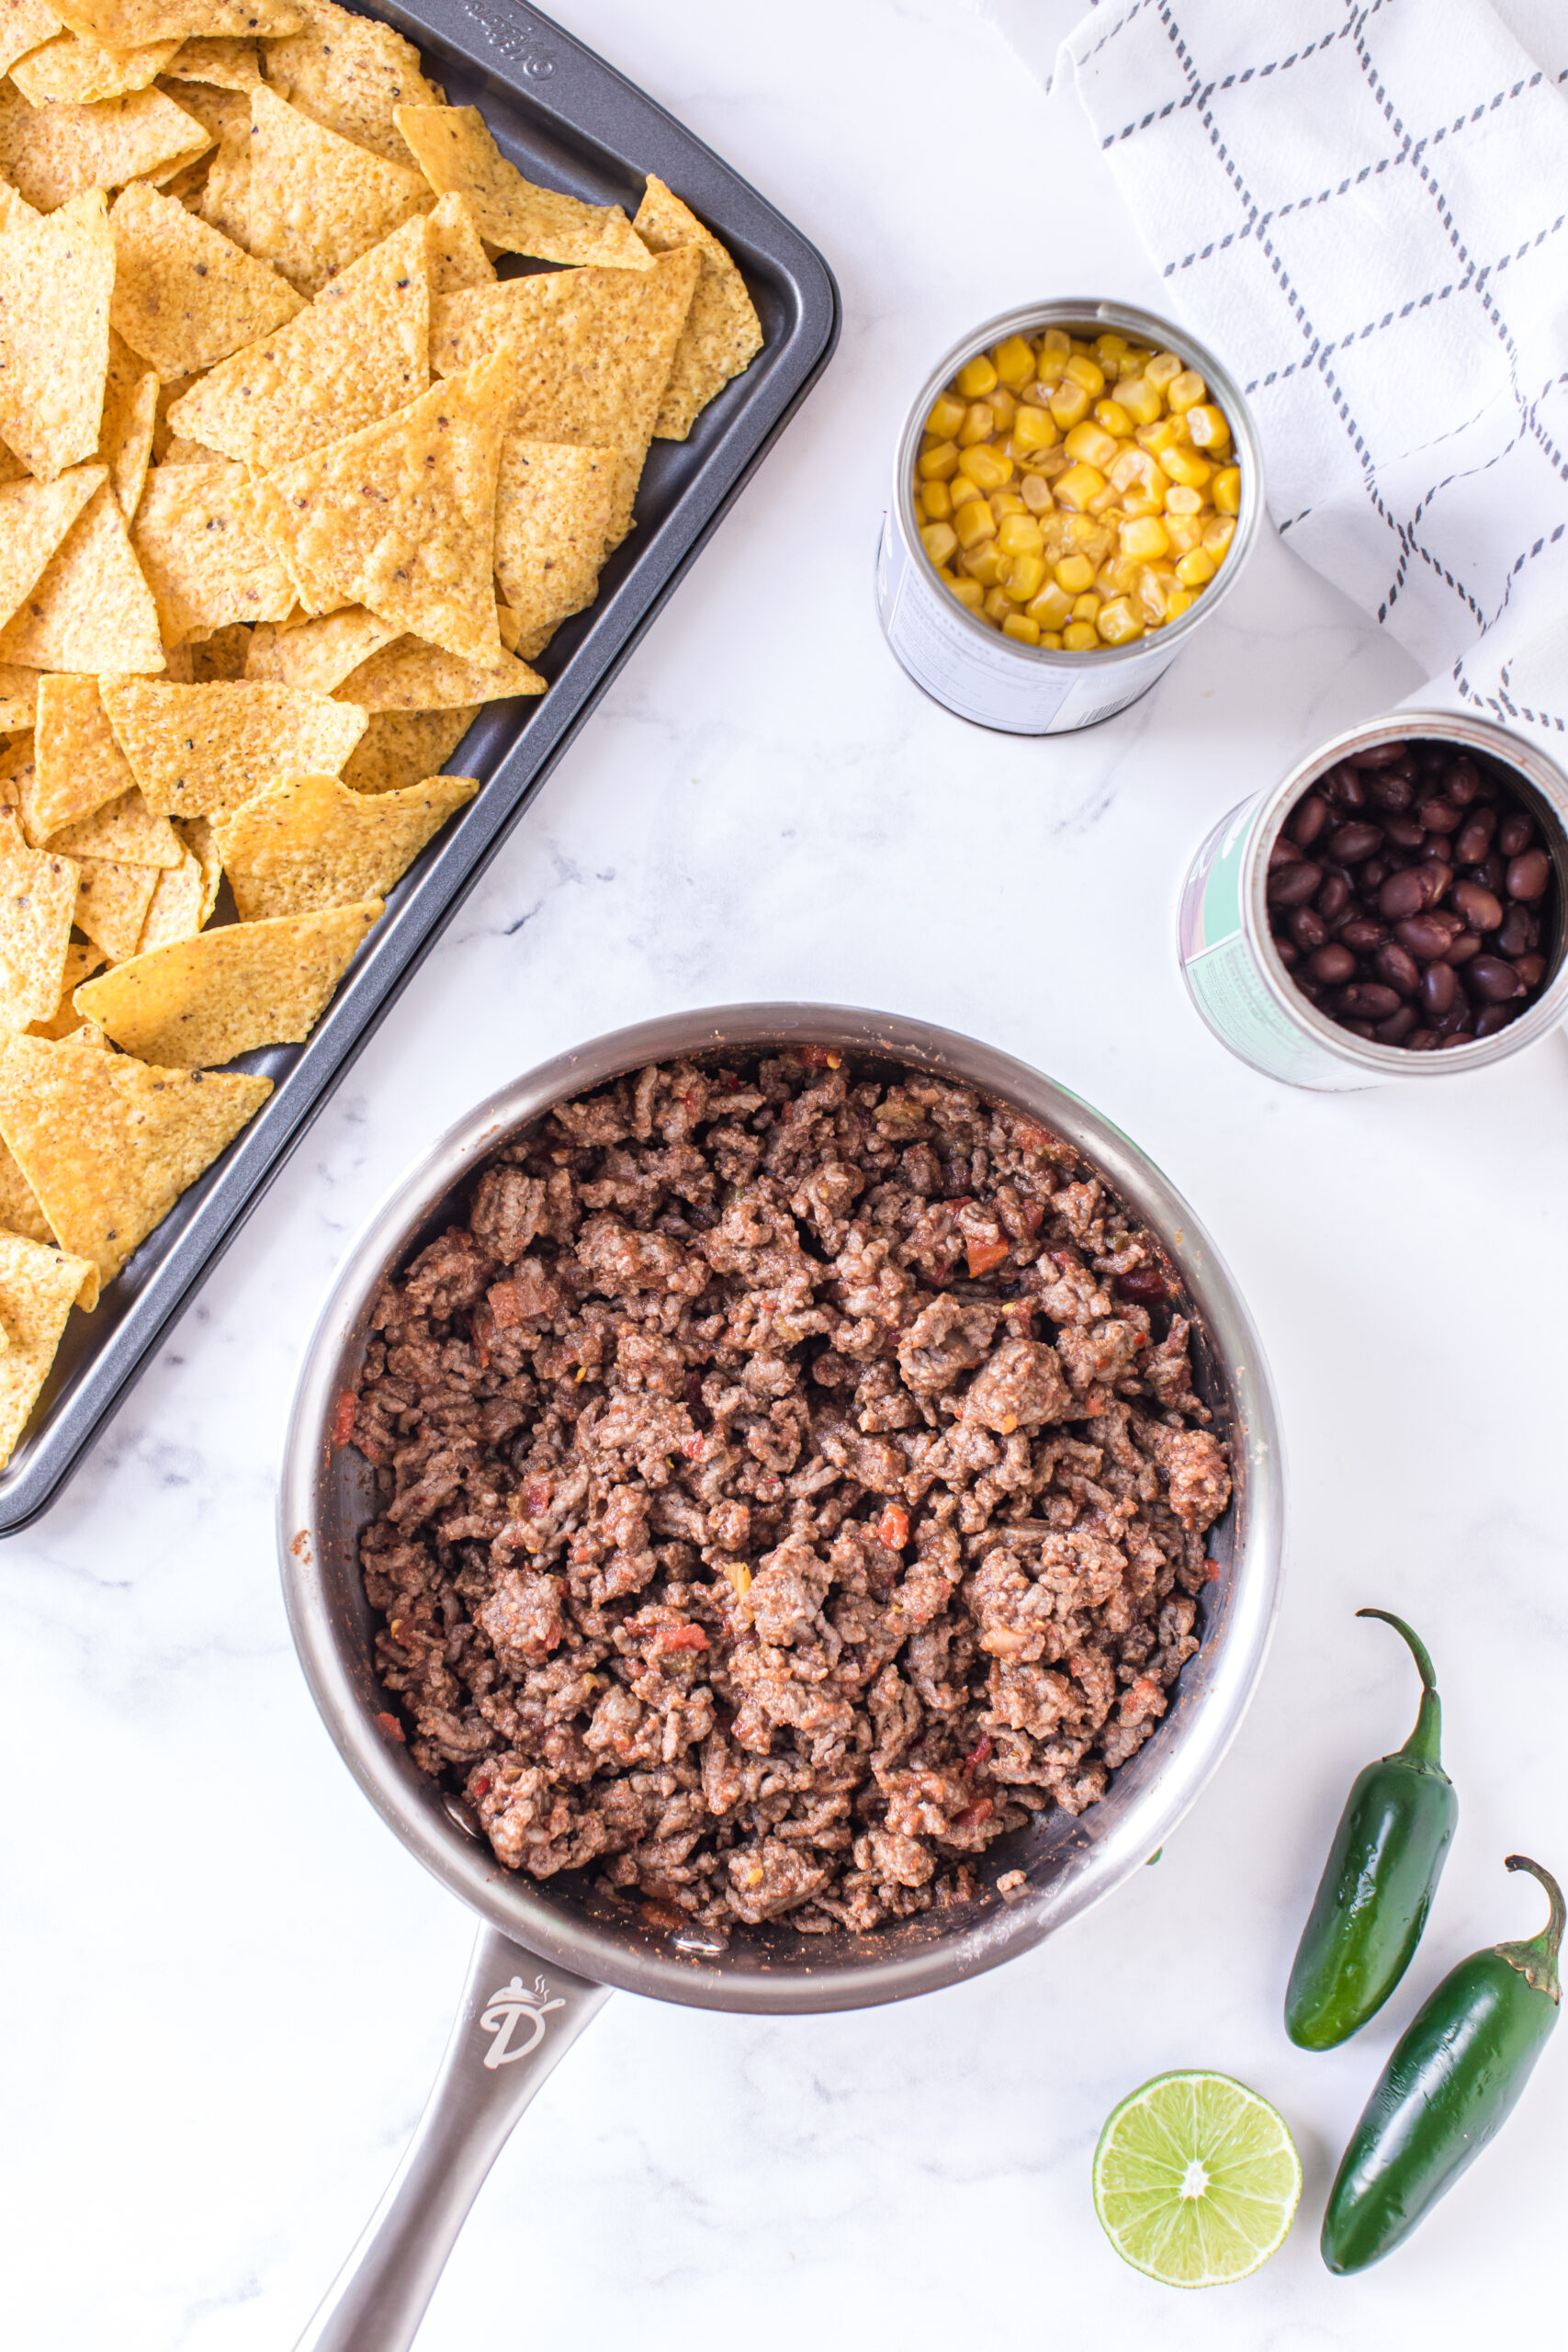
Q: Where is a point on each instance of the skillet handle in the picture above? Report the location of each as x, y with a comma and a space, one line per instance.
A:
517, 2019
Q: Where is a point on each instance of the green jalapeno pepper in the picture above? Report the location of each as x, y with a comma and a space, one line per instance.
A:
1448, 2089
1379, 1880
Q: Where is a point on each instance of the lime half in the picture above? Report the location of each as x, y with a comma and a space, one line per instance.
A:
1196, 2179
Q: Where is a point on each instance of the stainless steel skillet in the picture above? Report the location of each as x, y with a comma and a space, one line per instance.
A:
547, 1956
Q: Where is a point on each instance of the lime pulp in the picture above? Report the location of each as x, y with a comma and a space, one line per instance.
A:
1196, 2179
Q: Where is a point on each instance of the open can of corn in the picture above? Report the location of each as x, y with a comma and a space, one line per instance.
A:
1246, 947
1075, 490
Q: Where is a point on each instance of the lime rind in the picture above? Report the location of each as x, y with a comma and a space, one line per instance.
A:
1196, 2179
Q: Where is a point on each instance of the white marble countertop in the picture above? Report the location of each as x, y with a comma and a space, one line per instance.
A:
226, 1986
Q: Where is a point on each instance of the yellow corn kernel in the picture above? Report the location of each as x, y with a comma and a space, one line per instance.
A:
996, 606
1006, 501
1110, 345
1146, 539
1004, 408
1195, 570
977, 378
1069, 404
1090, 445
1135, 470
1118, 623
973, 521
1107, 502
969, 593
1036, 494
1014, 361
1182, 499
961, 489
946, 416
1218, 533
937, 500
984, 564
1184, 465
940, 539
1226, 491
1019, 625
1161, 370
1080, 637
1086, 373
978, 425
1185, 391
1181, 602
1051, 639
989, 467
1117, 576
1152, 594
1085, 607
1075, 573
1162, 434
1185, 532
1114, 418
1025, 576
1077, 486
939, 464
1056, 341
1032, 429
1141, 400
1206, 427
1019, 534
1052, 606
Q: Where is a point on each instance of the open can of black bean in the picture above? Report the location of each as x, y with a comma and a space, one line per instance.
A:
1394, 909
1075, 492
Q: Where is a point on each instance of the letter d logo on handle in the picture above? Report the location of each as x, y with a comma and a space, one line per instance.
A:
510, 2010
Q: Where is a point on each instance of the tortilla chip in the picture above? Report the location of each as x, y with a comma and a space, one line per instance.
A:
37, 893
125, 437
56, 276
81, 768
38, 1286
199, 1002
183, 296
34, 518
125, 23
221, 656
412, 675
108, 1144
196, 834
405, 747
355, 356
319, 654
316, 202
69, 71
401, 516
308, 841
225, 191
225, 63
592, 355
218, 111
92, 609
196, 748
20, 1211
24, 25
205, 561
455, 256
19, 699
16, 770
124, 834
722, 335
53, 153
81, 963
552, 513
175, 909
112, 902
349, 72
458, 157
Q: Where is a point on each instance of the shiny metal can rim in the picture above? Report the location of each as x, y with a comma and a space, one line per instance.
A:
1117, 317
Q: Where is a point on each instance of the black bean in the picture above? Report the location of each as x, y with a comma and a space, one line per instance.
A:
1398, 968
1531, 969
1402, 894
1334, 897
1426, 936
1391, 792
1480, 909
1520, 933
1492, 873
1291, 885
1435, 879
1528, 875
1331, 964
1458, 1017
1359, 1028
1361, 933
1474, 837
1438, 816
1439, 989
1465, 1036
1492, 1017
1290, 954
1369, 999
1404, 832
1464, 946
1461, 783
1145, 1284
1493, 979
1308, 821
1307, 928
1372, 876
1515, 833
1377, 755
1396, 1029
1422, 1041
1283, 853
1351, 843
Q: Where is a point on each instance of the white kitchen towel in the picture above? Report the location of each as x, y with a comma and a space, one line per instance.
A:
1363, 208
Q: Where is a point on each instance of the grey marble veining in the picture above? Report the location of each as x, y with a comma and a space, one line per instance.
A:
226, 1987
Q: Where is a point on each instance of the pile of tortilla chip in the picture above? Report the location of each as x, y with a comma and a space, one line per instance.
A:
292, 481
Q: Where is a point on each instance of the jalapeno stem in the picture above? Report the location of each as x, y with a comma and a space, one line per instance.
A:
1536, 1957
1425, 1742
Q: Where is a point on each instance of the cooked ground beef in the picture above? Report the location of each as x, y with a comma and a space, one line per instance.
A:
790, 1480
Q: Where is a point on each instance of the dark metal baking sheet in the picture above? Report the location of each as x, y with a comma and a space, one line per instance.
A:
569, 120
